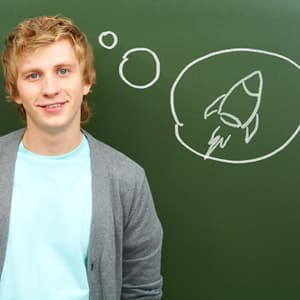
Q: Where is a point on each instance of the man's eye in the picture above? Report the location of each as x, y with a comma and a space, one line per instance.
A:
33, 76
63, 71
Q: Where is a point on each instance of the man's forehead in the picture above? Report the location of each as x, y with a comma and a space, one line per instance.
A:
57, 53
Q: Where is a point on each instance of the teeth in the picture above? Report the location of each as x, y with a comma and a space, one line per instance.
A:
53, 105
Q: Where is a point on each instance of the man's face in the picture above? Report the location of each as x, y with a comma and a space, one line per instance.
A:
51, 88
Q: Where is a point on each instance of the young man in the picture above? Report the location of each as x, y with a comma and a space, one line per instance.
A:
77, 220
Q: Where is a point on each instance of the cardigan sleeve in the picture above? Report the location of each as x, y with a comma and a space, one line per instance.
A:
142, 243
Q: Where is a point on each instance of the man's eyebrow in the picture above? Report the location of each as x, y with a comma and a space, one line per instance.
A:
70, 65
29, 70
39, 70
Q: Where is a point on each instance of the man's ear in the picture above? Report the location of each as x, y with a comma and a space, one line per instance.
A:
86, 88
89, 80
17, 99
9, 91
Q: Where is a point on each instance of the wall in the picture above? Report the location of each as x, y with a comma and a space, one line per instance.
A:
212, 114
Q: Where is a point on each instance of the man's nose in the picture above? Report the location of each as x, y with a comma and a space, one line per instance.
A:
51, 86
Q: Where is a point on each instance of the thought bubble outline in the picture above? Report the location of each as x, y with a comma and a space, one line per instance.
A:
125, 59
179, 124
104, 34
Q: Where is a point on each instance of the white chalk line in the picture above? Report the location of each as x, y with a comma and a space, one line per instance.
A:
103, 35
245, 161
248, 136
232, 50
215, 141
125, 59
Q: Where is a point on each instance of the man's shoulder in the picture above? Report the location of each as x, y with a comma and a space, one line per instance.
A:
115, 162
12, 138
12, 135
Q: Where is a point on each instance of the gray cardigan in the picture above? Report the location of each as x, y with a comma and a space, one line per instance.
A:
125, 236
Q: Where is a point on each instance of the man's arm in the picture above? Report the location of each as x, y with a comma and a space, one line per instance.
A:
142, 247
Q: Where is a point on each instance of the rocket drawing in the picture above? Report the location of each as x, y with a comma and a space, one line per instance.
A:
247, 93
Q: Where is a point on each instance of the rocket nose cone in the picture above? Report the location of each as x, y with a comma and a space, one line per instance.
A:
253, 83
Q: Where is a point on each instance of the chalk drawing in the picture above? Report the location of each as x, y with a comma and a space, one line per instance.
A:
215, 141
232, 120
105, 34
217, 107
126, 58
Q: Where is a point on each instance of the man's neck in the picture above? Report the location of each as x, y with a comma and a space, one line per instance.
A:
51, 143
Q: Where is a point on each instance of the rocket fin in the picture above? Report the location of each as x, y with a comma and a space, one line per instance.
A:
251, 132
213, 107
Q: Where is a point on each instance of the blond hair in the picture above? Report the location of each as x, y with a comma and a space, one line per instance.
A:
38, 32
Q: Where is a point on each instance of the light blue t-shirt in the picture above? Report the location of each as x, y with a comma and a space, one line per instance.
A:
49, 227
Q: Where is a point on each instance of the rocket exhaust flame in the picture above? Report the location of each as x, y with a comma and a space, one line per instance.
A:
215, 141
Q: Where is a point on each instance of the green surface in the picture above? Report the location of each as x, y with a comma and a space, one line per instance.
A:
231, 231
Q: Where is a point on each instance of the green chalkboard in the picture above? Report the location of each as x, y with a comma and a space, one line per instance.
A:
208, 103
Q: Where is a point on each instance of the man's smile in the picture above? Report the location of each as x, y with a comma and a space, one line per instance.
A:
53, 107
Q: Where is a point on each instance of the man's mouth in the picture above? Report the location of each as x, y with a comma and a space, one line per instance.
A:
53, 107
